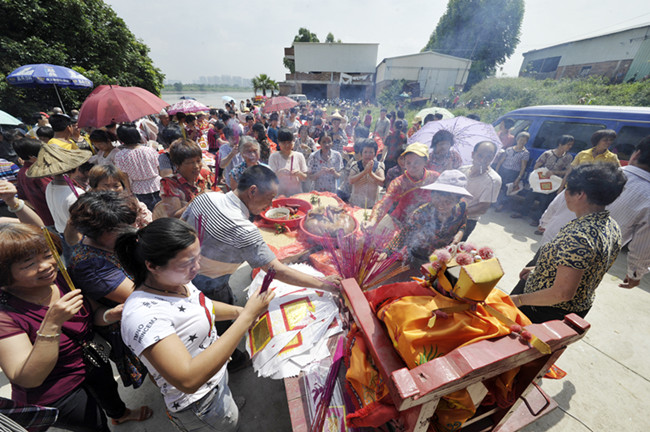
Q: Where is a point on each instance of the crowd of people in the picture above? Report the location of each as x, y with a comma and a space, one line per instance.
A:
152, 218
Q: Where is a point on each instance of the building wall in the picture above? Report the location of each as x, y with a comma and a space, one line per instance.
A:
335, 57
435, 73
608, 55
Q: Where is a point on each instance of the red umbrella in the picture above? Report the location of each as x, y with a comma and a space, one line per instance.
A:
279, 103
112, 103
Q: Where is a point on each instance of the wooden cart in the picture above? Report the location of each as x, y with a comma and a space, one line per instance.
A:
416, 392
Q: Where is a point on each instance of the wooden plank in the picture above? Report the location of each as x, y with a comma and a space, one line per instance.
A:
297, 409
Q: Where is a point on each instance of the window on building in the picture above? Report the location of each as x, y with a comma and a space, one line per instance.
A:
584, 71
627, 139
550, 131
545, 65
550, 64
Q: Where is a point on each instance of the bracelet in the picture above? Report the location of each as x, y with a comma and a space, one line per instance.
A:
19, 207
104, 317
44, 336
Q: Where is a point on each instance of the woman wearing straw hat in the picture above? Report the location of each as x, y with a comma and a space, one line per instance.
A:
62, 191
339, 137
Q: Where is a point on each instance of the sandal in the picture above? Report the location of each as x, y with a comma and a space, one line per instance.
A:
144, 413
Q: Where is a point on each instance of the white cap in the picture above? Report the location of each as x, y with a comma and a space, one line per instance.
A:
452, 181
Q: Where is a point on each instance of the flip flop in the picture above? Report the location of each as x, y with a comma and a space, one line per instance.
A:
144, 413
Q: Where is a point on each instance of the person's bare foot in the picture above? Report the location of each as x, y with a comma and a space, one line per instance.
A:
139, 415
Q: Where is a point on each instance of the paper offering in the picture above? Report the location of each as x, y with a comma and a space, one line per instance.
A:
293, 332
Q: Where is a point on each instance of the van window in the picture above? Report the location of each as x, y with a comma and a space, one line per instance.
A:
520, 126
550, 131
627, 139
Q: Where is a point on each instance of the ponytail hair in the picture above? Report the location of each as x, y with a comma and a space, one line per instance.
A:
157, 243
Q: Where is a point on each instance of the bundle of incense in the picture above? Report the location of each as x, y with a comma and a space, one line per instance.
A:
362, 259
324, 403
268, 278
68, 180
57, 257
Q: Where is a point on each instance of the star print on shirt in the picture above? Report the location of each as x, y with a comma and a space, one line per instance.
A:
193, 337
175, 405
181, 308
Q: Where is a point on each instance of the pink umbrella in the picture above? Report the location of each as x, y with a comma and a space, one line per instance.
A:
279, 103
187, 106
467, 133
112, 103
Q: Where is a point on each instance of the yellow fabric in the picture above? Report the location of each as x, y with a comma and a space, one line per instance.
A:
68, 145
363, 375
406, 321
587, 156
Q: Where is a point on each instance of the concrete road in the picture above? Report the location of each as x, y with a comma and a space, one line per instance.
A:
608, 382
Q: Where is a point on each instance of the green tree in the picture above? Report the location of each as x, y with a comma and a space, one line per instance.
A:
484, 31
86, 35
264, 82
304, 35
330, 38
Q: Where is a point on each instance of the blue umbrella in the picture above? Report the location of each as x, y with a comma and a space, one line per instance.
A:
38, 75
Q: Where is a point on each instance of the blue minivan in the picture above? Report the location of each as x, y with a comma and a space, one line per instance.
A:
546, 123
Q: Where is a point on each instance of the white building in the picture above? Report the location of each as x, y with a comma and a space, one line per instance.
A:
331, 70
433, 72
620, 56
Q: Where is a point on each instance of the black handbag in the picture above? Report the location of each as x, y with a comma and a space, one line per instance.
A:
95, 352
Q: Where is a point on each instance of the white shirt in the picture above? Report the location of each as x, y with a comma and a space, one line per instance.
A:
557, 215
148, 318
484, 188
632, 212
59, 198
289, 185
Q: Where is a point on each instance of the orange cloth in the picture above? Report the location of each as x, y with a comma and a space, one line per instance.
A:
406, 309
406, 320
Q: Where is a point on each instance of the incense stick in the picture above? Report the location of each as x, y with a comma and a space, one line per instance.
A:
57, 257
71, 184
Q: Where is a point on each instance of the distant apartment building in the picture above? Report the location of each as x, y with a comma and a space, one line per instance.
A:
331, 70
621, 56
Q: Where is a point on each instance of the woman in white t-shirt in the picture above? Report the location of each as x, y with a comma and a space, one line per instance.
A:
169, 324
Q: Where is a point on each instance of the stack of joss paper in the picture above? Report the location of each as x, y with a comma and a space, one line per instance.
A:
293, 332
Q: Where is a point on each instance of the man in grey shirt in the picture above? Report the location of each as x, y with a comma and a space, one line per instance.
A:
382, 127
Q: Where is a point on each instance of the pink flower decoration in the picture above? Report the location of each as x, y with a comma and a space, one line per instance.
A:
464, 258
441, 255
467, 247
526, 335
486, 253
515, 328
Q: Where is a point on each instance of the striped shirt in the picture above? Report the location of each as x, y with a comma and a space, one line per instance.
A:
229, 237
632, 212
8, 170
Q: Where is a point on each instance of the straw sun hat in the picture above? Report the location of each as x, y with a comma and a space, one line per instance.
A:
54, 160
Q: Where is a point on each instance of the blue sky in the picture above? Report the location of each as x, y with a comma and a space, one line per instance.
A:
246, 38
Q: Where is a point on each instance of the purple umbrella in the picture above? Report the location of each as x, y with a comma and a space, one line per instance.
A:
187, 106
467, 133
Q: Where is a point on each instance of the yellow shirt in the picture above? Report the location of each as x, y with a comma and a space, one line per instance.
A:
68, 145
587, 156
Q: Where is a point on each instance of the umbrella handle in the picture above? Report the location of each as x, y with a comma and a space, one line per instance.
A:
60, 101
